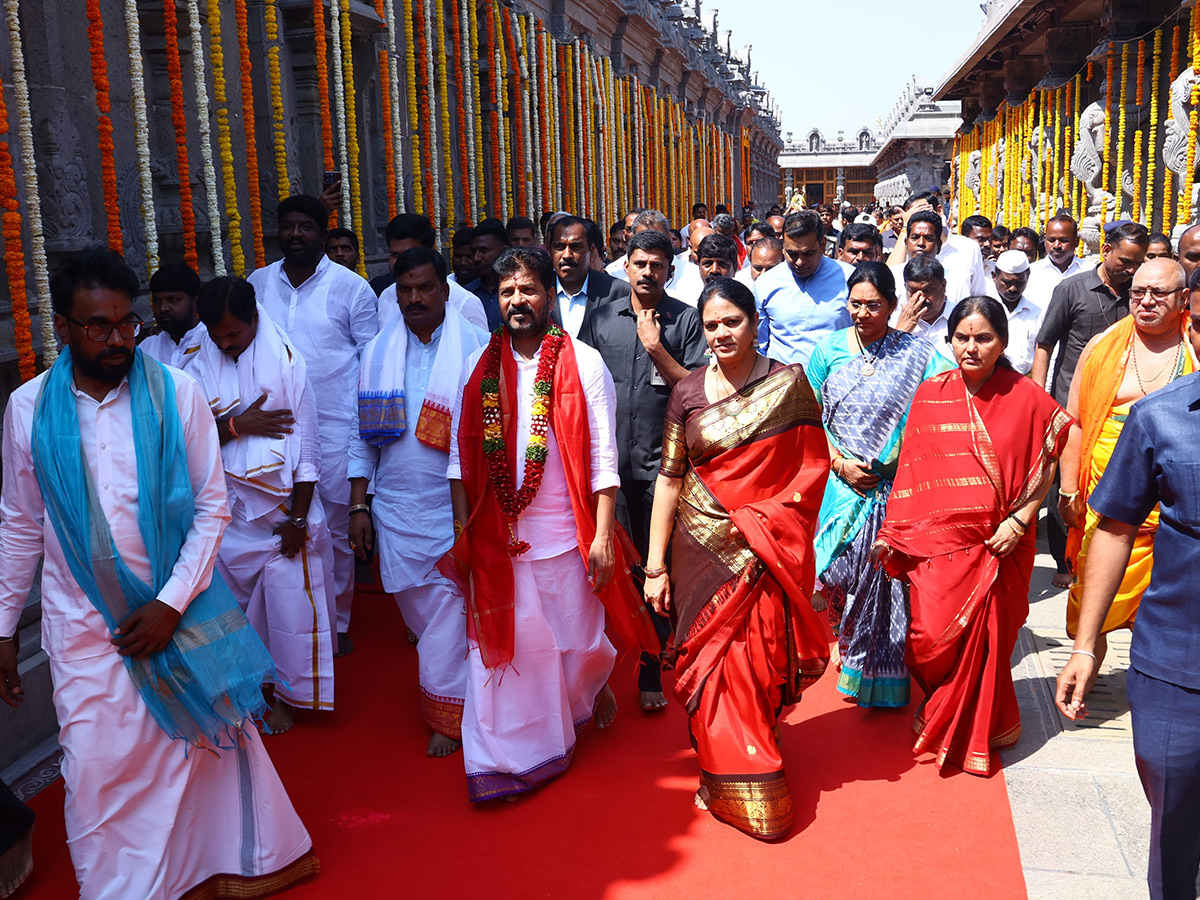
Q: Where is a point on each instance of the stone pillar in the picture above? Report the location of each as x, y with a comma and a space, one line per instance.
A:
841, 184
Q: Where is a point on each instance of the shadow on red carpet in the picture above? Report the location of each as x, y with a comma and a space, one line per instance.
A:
386, 821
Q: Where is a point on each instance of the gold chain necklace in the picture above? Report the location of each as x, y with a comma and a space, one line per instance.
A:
1174, 367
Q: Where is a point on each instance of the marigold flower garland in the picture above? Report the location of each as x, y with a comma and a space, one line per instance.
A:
225, 140
104, 126
339, 107
495, 207
1189, 169
141, 131
1152, 140
517, 192
1108, 99
506, 186
1168, 186
252, 182
322, 49
1138, 212
1118, 188
392, 113
476, 110
278, 135
514, 501
444, 104
465, 122
200, 85
33, 202
532, 80
430, 87
187, 213
414, 124
356, 218
385, 91
14, 254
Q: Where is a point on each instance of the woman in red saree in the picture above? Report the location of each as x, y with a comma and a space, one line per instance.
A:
978, 456
743, 474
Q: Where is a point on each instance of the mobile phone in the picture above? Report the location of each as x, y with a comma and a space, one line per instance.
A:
332, 176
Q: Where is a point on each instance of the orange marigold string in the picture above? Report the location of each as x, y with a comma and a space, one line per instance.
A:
424, 110
464, 164
321, 50
187, 215
518, 153
14, 254
385, 92
260, 256
104, 127
494, 112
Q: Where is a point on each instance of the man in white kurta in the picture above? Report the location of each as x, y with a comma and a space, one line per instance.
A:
173, 290
519, 724
413, 366
329, 313
146, 818
276, 555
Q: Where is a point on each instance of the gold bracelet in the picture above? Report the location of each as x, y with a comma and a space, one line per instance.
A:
7, 640
656, 572
233, 433
1069, 496
360, 507
458, 529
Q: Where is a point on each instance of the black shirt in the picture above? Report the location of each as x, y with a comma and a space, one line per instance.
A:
641, 394
1080, 308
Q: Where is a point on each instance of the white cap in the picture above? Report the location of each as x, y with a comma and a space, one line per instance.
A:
1012, 262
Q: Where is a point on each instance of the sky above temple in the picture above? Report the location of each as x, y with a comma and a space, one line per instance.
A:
842, 64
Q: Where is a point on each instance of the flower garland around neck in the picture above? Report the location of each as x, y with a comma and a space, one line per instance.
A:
225, 142
275, 79
141, 130
514, 501
104, 126
255, 194
200, 85
14, 254
187, 213
33, 203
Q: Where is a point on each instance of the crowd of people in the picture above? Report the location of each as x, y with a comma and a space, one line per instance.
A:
741, 451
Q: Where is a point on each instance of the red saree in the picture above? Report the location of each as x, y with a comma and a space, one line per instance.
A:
748, 640
965, 465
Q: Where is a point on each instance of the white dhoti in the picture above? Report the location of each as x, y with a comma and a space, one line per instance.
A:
290, 602
334, 491
149, 818
436, 613
519, 725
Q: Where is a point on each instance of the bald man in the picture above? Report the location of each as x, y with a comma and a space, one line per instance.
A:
1189, 250
776, 223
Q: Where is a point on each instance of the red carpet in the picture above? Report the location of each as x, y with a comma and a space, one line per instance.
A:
872, 821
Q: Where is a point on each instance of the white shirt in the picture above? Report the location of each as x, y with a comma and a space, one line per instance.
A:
745, 276
548, 523
934, 332
329, 318
161, 347
689, 285
571, 307
72, 628
460, 298
682, 260
1045, 276
963, 261
1023, 325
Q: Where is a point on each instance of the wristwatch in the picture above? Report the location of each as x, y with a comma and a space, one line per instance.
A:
299, 522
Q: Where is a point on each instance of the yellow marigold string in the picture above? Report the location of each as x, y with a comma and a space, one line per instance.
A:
225, 143
476, 106
385, 93
352, 132
1119, 190
428, 98
1168, 175
1081, 193
278, 132
1152, 140
255, 193
1108, 101
444, 102
414, 125
1189, 169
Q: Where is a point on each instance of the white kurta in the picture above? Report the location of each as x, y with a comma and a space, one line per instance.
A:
330, 318
519, 726
414, 527
144, 818
166, 351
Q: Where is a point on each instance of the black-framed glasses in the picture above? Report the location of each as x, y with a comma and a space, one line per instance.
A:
102, 331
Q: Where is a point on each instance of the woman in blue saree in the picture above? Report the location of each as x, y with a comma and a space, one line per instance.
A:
865, 377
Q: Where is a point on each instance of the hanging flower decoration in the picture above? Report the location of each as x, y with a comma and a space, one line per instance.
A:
463, 117
385, 91
339, 105
506, 186
476, 111
253, 185
278, 121
225, 140
447, 165
1152, 140
104, 127
516, 122
356, 218
1118, 190
493, 113
200, 86
321, 51
14, 254
187, 214
392, 113
513, 500
431, 160
1108, 135
1168, 187
414, 106
141, 132
1189, 169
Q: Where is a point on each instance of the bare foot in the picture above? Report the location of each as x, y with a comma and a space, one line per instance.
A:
701, 799
440, 745
819, 603
344, 645
605, 709
1062, 580
653, 701
412, 637
279, 719
16, 864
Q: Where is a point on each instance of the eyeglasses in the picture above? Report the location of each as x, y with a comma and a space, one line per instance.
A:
101, 331
1139, 294
873, 306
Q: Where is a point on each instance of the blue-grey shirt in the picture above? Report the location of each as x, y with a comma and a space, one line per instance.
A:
794, 314
490, 301
1156, 462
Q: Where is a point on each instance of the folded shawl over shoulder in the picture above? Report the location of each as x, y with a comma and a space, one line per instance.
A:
208, 680
479, 562
271, 365
381, 416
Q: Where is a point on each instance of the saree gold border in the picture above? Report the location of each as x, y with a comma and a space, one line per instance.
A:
762, 809
708, 522
780, 395
674, 450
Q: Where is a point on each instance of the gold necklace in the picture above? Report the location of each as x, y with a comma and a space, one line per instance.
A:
868, 368
1174, 367
735, 401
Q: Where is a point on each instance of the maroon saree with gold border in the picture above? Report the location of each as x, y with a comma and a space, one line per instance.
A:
967, 462
747, 639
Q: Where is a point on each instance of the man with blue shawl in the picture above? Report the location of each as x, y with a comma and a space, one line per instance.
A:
112, 470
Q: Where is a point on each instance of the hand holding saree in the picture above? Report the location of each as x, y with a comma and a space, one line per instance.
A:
747, 639
966, 464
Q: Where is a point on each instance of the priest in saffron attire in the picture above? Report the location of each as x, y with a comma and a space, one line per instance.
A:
533, 477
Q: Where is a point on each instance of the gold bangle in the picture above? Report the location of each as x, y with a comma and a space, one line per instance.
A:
1069, 496
360, 507
656, 572
7, 640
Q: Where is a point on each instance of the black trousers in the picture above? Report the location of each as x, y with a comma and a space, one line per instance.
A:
1166, 744
15, 819
1056, 529
635, 500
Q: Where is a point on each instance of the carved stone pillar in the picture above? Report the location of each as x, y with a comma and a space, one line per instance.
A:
1018, 79
1065, 53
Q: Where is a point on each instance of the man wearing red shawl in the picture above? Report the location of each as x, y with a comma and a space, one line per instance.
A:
533, 477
